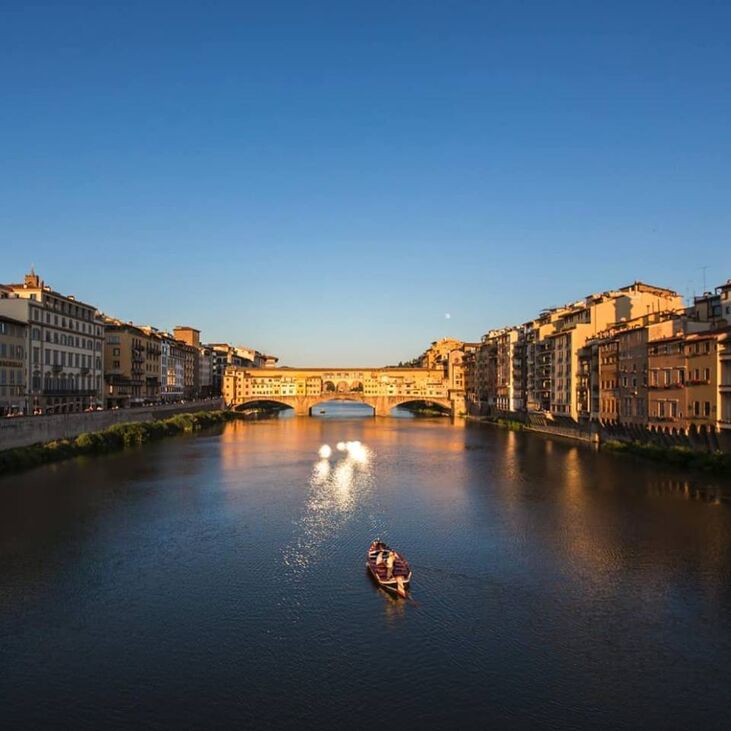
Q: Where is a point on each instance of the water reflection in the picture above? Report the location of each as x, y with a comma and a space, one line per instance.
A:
394, 607
554, 586
336, 488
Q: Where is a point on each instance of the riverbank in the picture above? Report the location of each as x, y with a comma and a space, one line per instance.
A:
717, 462
564, 431
29, 430
714, 461
112, 439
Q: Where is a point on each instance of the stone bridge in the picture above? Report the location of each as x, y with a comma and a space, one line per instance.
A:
302, 389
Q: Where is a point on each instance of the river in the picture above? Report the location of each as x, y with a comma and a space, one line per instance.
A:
218, 581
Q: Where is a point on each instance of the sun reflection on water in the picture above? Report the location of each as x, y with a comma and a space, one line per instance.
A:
337, 486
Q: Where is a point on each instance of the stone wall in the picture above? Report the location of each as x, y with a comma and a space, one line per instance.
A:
598, 433
26, 430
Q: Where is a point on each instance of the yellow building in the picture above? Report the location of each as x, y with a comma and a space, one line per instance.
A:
575, 324
438, 353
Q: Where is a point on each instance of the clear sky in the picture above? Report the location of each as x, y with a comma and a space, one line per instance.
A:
328, 181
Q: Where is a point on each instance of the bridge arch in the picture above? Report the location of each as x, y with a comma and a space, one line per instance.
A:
441, 405
354, 398
263, 403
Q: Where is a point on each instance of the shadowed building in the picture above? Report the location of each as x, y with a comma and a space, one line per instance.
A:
13, 366
132, 364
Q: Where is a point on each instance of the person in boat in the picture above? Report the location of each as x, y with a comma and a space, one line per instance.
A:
390, 560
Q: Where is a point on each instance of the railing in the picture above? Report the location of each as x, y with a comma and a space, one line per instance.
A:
68, 392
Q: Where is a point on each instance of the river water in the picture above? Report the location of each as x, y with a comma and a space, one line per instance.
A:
218, 581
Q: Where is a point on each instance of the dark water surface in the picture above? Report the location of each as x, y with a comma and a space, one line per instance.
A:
218, 581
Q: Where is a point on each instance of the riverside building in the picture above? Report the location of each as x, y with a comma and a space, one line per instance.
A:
64, 363
536, 367
191, 346
132, 365
13, 366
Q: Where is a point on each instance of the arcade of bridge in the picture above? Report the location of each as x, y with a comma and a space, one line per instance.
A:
380, 388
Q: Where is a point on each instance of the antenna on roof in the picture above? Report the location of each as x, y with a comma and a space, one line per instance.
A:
703, 269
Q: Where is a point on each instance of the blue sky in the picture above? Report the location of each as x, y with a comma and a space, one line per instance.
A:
327, 180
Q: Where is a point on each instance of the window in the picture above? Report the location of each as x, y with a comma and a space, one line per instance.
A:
707, 408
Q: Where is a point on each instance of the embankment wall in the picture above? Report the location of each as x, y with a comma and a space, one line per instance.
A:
26, 430
599, 433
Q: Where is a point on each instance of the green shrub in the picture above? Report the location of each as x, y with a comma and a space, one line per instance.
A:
719, 462
112, 439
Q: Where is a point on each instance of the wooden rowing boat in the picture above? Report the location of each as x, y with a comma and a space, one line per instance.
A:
389, 568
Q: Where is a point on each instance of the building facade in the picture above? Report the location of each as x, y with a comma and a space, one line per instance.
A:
66, 347
13, 366
132, 365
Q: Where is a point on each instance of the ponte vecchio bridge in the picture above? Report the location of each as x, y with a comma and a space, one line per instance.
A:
302, 388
